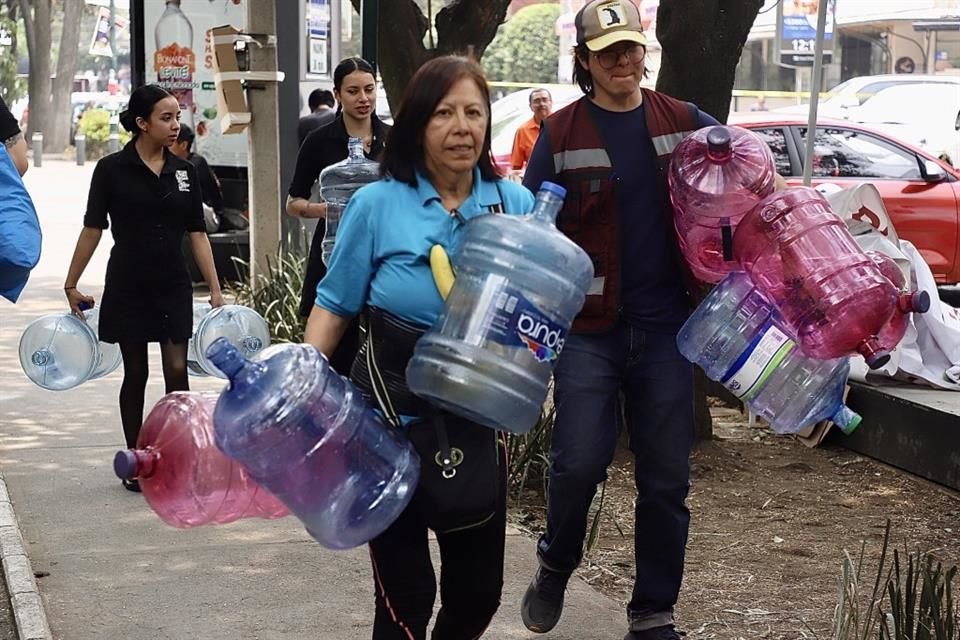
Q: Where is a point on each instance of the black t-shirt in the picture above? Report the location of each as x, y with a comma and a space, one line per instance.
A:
209, 185
8, 124
322, 148
313, 121
148, 213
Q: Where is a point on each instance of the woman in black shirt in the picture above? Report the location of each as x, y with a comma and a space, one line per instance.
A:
355, 88
151, 198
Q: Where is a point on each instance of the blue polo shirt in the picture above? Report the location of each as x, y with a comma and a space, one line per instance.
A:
382, 253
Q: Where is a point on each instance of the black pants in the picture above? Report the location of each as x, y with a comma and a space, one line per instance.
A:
471, 577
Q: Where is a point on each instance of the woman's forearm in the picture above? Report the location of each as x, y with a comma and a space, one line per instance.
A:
203, 255
86, 245
303, 208
324, 330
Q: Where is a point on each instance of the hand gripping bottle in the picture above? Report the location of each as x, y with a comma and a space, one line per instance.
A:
242, 326
907, 301
306, 434
801, 255
338, 182
186, 480
60, 351
717, 175
737, 337
519, 284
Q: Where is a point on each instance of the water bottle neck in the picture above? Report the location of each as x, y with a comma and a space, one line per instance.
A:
846, 419
136, 463
547, 207
355, 149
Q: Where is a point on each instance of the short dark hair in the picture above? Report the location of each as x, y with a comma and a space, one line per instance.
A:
583, 78
141, 104
403, 155
539, 90
186, 135
319, 97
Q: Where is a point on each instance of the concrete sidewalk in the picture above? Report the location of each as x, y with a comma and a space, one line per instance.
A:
111, 569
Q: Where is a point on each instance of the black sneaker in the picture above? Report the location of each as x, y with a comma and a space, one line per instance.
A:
543, 601
666, 632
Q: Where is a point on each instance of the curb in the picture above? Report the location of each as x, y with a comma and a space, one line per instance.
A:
25, 599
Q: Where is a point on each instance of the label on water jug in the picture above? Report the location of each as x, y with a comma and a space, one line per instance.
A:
751, 370
516, 322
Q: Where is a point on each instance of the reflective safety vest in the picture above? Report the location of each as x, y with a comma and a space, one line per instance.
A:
590, 215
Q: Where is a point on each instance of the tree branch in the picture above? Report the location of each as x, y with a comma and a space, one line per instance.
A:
469, 25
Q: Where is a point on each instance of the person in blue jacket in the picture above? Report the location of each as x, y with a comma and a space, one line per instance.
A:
438, 174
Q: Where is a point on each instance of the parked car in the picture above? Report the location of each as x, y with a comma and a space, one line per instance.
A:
860, 90
927, 115
920, 191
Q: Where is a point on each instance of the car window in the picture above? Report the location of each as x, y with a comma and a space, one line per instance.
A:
777, 141
845, 153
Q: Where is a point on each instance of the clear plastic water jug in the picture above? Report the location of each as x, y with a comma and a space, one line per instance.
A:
801, 255
907, 302
737, 337
185, 478
242, 326
717, 175
60, 351
307, 435
338, 183
520, 283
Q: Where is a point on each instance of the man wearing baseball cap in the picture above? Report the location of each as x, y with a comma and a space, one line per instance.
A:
611, 149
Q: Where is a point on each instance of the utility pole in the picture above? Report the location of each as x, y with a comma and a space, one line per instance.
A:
263, 149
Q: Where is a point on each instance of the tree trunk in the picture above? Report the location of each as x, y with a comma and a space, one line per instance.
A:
61, 113
463, 27
37, 28
702, 41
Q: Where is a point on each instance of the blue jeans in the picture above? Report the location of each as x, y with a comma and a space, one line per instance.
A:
657, 387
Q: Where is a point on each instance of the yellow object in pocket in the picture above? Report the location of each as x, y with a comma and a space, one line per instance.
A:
443, 274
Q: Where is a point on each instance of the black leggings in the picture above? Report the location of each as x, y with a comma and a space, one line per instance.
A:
134, 386
471, 578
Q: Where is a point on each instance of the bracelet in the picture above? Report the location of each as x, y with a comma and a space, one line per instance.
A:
69, 288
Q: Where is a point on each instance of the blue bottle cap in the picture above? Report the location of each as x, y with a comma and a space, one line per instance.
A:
553, 188
125, 464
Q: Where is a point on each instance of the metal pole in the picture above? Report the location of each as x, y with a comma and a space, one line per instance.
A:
113, 36
80, 141
113, 140
368, 30
37, 141
815, 93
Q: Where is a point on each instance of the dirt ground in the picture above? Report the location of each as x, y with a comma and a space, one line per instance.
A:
771, 520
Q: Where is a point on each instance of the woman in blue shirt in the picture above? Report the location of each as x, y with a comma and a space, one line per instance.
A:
438, 174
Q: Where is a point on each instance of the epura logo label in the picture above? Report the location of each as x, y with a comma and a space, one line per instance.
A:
542, 338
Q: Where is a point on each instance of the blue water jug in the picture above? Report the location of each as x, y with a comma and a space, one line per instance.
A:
519, 284
60, 351
338, 182
739, 339
242, 326
307, 435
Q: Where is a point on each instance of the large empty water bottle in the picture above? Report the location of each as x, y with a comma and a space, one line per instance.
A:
907, 302
60, 351
520, 283
717, 175
737, 337
185, 478
338, 182
307, 435
242, 326
801, 255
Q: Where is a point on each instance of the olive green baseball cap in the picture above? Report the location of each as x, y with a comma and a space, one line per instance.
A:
602, 23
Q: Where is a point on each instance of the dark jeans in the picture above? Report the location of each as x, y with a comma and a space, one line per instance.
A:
471, 577
657, 386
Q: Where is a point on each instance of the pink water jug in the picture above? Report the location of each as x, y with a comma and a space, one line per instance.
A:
185, 478
908, 301
716, 176
801, 255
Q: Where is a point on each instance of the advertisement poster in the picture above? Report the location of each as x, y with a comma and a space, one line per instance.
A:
318, 37
100, 45
798, 32
179, 57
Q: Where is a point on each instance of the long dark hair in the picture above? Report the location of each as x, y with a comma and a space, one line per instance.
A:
583, 78
345, 68
404, 155
141, 105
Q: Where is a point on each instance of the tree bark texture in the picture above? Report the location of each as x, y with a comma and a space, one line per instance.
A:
702, 41
37, 27
61, 113
463, 27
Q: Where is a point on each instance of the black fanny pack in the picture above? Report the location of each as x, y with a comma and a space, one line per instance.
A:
462, 464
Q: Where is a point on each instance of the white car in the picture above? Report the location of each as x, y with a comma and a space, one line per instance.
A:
509, 112
927, 115
858, 91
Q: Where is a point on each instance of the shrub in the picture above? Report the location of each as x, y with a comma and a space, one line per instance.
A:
95, 125
526, 48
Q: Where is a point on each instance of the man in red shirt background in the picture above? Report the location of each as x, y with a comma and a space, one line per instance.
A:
541, 103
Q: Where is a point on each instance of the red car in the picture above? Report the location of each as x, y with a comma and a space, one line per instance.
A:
921, 192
